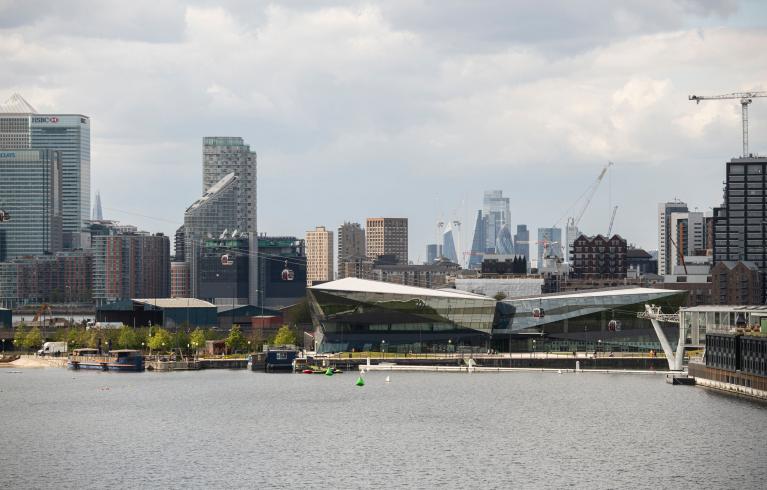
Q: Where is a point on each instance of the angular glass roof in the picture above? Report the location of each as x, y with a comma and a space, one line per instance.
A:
16, 104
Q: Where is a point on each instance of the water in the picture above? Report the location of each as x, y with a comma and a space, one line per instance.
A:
237, 429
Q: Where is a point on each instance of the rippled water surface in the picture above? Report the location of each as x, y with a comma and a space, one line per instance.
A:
237, 429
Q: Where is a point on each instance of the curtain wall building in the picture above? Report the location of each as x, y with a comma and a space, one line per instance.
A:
220, 157
21, 127
351, 245
30, 192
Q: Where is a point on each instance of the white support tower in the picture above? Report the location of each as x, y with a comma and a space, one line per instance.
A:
656, 316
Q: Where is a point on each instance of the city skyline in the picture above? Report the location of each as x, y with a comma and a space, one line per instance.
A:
616, 94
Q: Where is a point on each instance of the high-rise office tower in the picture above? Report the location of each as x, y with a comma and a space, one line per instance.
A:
433, 252
351, 245
549, 243
495, 208
740, 225
387, 236
503, 243
449, 243
522, 242
30, 192
319, 255
220, 157
21, 127
98, 213
478, 242
665, 262
179, 245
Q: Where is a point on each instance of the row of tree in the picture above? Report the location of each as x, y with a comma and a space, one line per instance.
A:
151, 338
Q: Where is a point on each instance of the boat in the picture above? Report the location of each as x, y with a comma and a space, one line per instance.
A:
319, 370
124, 360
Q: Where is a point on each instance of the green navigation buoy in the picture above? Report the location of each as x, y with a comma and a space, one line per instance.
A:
329, 372
360, 381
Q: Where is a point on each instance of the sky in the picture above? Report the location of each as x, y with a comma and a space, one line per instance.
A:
400, 108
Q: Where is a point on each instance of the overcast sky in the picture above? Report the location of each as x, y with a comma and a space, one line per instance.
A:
400, 108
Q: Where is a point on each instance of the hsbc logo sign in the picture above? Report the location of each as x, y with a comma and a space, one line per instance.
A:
47, 119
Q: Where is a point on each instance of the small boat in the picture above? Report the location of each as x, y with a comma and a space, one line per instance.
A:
319, 370
117, 360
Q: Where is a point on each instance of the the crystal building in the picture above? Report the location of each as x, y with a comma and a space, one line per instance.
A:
21, 127
370, 315
30, 192
358, 314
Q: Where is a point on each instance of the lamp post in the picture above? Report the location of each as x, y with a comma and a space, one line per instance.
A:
599, 346
383, 347
3, 346
449, 346
533, 348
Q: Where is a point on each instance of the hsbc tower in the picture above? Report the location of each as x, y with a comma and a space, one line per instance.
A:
22, 127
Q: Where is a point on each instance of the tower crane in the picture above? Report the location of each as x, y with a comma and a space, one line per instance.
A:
745, 100
612, 220
590, 191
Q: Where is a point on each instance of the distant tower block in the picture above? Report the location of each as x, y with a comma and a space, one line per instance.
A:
97, 214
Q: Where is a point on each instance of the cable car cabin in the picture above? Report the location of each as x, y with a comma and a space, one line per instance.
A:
226, 260
4, 216
614, 325
287, 274
539, 313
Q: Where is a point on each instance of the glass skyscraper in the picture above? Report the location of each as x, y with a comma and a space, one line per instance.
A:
30, 192
21, 127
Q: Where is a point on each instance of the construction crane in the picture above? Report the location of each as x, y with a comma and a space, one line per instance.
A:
590, 191
745, 100
612, 220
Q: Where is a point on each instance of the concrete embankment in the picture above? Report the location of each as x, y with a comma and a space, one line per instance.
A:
482, 369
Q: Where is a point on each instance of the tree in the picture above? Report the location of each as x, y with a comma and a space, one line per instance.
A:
197, 338
160, 339
499, 296
235, 341
20, 336
285, 335
33, 339
127, 339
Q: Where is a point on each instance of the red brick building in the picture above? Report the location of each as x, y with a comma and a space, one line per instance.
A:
599, 257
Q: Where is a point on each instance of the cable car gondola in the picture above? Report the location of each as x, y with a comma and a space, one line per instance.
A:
614, 325
4, 216
539, 313
287, 274
226, 260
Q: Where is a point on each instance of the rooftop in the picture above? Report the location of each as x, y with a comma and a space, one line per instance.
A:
352, 284
16, 104
721, 308
175, 302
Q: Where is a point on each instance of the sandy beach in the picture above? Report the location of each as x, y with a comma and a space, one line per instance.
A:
28, 361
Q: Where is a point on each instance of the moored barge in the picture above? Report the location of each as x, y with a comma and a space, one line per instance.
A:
125, 360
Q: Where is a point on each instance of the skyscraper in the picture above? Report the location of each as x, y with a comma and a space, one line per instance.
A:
98, 213
740, 225
21, 127
522, 242
208, 217
665, 262
319, 255
30, 192
448, 244
495, 208
351, 245
387, 236
478, 242
222, 155
503, 243
433, 252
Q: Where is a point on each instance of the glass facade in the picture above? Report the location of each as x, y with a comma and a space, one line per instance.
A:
70, 135
30, 192
399, 321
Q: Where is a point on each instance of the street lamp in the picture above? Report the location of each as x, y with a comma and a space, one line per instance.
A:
533, 347
383, 347
599, 346
449, 345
